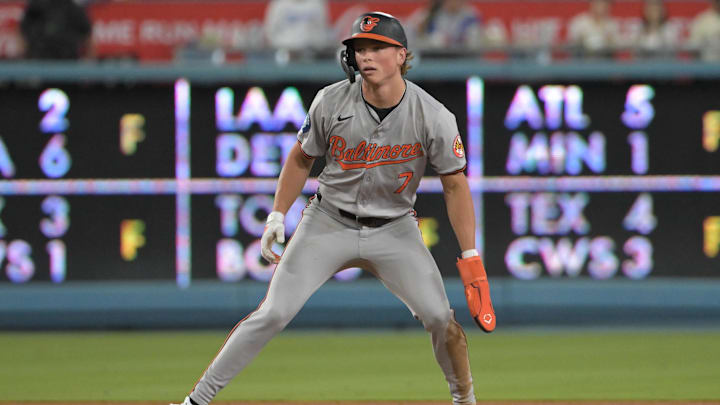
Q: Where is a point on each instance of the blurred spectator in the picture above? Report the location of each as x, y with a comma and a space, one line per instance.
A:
448, 24
657, 38
594, 32
293, 27
55, 29
705, 32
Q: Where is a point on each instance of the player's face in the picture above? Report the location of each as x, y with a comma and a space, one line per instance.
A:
378, 61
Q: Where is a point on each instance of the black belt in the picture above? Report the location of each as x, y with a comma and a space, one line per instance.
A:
372, 222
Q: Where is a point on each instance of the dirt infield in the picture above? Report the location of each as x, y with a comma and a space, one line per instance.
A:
387, 403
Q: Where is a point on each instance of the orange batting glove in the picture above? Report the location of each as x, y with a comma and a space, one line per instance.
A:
477, 292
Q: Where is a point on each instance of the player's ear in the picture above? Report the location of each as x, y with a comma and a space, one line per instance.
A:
402, 55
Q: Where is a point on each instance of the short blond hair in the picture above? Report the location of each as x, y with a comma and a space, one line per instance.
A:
406, 65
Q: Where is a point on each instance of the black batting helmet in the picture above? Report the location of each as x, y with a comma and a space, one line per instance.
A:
380, 27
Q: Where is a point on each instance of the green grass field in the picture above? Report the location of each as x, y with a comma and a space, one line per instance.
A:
330, 365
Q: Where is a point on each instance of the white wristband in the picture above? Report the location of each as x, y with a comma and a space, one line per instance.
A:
470, 253
275, 216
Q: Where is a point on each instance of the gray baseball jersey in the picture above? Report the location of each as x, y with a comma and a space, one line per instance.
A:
373, 168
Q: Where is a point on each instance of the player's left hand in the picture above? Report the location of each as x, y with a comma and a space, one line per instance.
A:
274, 231
477, 291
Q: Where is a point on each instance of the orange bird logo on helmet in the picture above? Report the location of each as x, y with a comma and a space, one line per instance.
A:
368, 23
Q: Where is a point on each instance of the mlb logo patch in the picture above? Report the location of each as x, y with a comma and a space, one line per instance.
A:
306, 124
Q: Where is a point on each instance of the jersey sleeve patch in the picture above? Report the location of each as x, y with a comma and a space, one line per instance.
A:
458, 148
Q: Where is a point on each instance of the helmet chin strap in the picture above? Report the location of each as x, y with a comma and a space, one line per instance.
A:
348, 63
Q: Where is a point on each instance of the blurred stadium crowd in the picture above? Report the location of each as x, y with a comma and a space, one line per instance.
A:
288, 30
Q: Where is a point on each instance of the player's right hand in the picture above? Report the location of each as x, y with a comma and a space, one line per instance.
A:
274, 232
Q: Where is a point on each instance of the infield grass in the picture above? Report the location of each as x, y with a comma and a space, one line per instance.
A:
379, 365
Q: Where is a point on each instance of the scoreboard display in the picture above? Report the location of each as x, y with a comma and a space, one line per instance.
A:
602, 179
173, 182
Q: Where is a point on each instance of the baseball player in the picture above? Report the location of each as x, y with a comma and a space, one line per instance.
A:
377, 132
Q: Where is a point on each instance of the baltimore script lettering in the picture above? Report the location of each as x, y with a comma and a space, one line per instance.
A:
367, 155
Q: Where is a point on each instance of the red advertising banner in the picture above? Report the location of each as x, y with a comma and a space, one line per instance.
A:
153, 31
10, 43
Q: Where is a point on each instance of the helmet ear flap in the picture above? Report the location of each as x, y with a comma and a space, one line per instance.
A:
348, 63
351, 57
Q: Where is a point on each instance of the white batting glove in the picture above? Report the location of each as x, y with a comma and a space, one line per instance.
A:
274, 232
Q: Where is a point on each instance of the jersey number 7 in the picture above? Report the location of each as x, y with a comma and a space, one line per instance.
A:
408, 176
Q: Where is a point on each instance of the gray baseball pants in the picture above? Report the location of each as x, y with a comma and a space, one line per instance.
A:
324, 243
